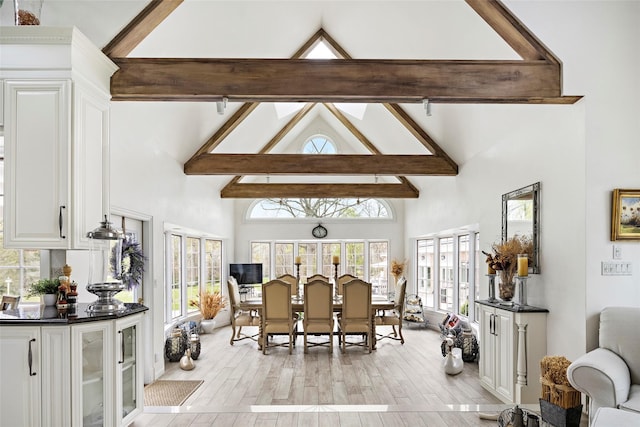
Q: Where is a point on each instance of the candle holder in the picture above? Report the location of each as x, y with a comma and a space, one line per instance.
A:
522, 289
335, 279
492, 287
298, 277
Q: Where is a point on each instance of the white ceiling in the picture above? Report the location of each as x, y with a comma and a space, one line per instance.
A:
417, 29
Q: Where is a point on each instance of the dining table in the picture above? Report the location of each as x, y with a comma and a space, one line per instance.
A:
378, 303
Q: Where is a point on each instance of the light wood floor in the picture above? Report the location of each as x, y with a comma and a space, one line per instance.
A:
396, 385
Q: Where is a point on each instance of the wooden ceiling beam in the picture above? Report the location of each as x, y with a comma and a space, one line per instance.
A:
512, 30
256, 191
313, 164
140, 27
344, 80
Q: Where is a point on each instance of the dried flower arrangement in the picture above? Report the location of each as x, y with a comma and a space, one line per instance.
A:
505, 256
210, 304
397, 267
556, 388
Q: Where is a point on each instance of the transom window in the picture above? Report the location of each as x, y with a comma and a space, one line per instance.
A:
319, 145
319, 208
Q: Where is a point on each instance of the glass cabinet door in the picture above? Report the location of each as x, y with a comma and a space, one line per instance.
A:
129, 379
92, 385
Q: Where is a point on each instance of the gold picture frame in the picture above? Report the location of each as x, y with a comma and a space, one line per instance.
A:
625, 215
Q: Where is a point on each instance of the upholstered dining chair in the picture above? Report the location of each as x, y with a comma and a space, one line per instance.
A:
239, 317
342, 280
355, 318
292, 280
317, 277
393, 317
277, 315
318, 312
9, 302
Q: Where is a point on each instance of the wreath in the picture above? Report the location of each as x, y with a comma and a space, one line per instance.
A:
131, 263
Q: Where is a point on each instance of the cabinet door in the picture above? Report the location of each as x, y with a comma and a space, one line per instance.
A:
129, 379
20, 376
37, 153
504, 354
487, 346
92, 376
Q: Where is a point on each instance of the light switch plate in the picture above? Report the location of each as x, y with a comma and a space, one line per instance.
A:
617, 252
616, 268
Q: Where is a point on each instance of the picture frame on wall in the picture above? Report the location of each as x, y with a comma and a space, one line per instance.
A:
625, 215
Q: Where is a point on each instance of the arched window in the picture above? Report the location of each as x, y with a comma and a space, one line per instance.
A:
319, 144
319, 208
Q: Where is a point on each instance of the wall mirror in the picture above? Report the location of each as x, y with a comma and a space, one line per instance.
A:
521, 216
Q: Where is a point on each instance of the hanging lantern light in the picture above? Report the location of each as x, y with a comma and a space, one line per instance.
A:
105, 268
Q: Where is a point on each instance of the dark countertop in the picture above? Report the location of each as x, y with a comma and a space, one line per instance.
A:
33, 314
511, 306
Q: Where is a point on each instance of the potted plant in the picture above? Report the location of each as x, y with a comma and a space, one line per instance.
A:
504, 260
47, 288
210, 304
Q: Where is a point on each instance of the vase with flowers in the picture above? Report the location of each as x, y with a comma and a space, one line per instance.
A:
209, 304
504, 260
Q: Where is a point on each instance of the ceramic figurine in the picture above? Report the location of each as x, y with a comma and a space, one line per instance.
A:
452, 362
186, 363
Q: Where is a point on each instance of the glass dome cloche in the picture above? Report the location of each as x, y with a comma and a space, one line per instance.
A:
105, 273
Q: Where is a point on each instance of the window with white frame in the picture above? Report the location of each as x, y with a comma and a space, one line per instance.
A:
194, 264
18, 267
456, 260
365, 259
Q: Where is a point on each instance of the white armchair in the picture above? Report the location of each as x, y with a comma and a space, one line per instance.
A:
610, 374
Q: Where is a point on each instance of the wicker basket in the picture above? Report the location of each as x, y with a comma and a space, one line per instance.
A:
555, 386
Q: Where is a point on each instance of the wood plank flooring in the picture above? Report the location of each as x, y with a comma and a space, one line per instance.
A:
396, 385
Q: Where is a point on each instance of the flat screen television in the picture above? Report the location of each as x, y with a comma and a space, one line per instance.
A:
246, 274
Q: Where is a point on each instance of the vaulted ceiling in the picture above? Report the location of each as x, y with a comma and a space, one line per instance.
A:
388, 85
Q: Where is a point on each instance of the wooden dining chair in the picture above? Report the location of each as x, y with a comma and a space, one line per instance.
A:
393, 317
9, 302
318, 313
239, 317
277, 315
356, 316
291, 279
342, 280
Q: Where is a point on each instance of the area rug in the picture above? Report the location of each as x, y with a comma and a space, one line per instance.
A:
169, 393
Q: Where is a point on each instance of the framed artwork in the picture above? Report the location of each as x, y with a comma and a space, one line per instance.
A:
625, 215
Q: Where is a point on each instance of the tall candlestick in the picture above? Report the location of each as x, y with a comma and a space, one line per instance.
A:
523, 265
298, 260
336, 259
490, 270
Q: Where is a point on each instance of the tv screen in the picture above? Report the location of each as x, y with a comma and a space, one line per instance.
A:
246, 274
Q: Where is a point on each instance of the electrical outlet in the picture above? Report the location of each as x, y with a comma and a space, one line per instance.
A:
617, 252
616, 268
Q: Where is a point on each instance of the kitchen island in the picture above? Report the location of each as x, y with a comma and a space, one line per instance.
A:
73, 370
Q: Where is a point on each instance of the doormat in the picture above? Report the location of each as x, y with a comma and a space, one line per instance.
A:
169, 393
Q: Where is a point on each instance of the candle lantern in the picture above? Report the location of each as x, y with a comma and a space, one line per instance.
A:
105, 268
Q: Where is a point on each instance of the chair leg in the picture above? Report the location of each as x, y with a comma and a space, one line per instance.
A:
344, 343
393, 327
291, 342
239, 331
265, 344
306, 350
400, 331
233, 334
331, 342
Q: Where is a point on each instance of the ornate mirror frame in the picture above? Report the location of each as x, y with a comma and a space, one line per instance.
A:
532, 193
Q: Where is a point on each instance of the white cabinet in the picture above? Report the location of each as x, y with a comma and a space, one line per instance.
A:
512, 343
20, 374
79, 374
56, 115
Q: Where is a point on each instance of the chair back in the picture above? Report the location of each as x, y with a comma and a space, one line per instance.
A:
317, 277
342, 280
356, 301
619, 336
234, 293
401, 290
276, 301
292, 280
318, 301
